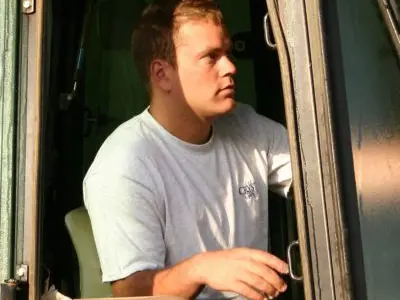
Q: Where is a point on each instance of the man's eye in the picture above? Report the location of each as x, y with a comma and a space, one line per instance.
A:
212, 56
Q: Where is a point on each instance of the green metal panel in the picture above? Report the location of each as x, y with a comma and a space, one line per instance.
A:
372, 86
8, 51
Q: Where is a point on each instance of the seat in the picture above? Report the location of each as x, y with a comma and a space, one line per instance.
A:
80, 230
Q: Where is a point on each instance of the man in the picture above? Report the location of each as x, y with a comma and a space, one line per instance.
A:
178, 195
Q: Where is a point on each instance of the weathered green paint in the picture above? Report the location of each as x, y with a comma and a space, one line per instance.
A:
8, 52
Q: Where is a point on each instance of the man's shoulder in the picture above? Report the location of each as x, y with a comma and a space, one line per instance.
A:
126, 146
245, 119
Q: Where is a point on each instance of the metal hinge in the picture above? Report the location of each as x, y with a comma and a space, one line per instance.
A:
16, 288
13, 289
28, 7
8, 290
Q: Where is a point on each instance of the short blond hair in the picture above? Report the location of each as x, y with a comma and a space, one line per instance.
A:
153, 38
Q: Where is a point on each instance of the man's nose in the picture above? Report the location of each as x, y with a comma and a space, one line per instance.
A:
228, 67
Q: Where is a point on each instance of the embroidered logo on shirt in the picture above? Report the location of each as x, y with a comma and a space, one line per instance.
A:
249, 191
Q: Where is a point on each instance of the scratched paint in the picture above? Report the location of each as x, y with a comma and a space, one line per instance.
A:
8, 27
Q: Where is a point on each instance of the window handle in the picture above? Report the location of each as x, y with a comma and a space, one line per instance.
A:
290, 261
267, 33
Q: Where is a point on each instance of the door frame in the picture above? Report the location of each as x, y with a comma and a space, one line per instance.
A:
29, 142
300, 29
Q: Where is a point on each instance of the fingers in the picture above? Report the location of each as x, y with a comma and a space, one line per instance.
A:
246, 291
266, 274
260, 284
266, 258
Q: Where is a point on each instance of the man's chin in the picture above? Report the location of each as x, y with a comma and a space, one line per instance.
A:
230, 105
224, 108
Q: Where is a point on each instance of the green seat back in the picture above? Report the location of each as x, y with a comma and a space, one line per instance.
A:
80, 230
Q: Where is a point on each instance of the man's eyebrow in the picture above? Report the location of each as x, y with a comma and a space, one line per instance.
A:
226, 48
208, 50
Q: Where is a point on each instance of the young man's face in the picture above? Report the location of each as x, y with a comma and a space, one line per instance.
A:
204, 74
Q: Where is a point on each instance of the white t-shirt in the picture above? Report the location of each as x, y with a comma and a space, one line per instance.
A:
155, 200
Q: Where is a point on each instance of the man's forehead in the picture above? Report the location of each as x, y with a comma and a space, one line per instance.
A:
201, 34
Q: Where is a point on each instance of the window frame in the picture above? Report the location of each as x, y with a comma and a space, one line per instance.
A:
390, 10
322, 179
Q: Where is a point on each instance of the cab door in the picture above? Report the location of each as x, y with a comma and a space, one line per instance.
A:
341, 77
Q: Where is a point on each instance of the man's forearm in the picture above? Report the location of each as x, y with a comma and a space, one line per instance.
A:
182, 280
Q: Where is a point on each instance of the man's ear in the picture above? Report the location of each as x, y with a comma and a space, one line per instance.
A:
160, 74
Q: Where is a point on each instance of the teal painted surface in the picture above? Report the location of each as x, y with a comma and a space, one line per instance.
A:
8, 25
372, 78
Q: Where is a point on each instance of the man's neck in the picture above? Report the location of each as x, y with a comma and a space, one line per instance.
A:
181, 122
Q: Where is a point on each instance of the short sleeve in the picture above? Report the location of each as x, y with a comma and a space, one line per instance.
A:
271, 138
279, 164
127, 222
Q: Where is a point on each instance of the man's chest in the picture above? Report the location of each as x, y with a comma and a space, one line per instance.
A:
216, 201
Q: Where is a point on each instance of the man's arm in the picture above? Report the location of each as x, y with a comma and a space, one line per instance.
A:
127, 223
180, 280
248, 272
279, 162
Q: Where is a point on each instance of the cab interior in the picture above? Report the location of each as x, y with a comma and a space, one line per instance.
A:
91, 86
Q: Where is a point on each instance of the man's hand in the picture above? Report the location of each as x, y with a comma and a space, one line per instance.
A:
251, 273
254, 274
